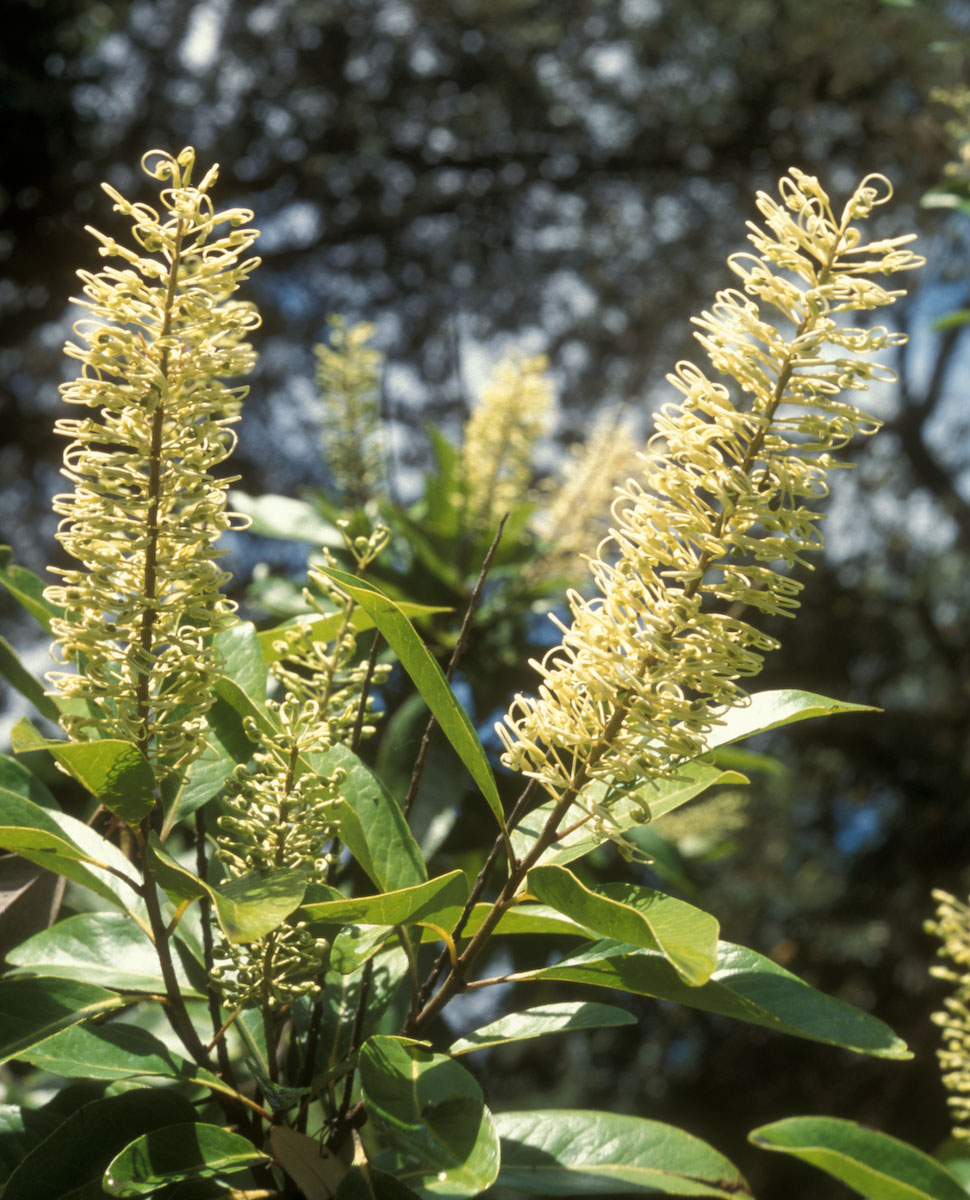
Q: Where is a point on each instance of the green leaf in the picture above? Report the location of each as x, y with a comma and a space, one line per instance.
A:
16, 778
80, 1148
113, 770
745, 986
325, 628
242, 658
771, 710
108, 949
226, 746
112, 1050
190, 1150
242, 703
21, 1129
370, 822
540, 1022
247, 908
65, 846
575, 1152
870, 1163
686, 936
367, 1183
355, 944
17, 675
32, 1010
429, 679
522, 918
27, 589
657, 797
284, 517
427, 1117
406, 906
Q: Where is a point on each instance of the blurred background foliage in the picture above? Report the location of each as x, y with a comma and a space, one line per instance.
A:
568, 177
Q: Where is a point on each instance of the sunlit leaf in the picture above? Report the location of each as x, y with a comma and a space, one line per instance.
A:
869, 1162
540, 1022
190, 1150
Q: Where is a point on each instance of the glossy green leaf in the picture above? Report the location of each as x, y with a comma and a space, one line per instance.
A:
34, 1009
27, 589
108, 949
190, 1150
771, 710
657, 797
16, 778
247, 908
520, 919
242, 657
21, 1129
367, 1183
113, 770
284, 517
19, 678
430, 681
242, 703
745, 986
226, 746
870, 1163
685, 935
406, 906
355, 944
427, 1121
110, 1050
341, 994
371, 823
325, 628
77, 1152
540, 1022
575, 1152
65, 846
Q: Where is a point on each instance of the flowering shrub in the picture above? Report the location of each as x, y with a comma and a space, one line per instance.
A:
243, 877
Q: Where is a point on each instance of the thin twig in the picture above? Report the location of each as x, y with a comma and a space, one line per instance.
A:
452, 665
499, 845
205, 912
364, 693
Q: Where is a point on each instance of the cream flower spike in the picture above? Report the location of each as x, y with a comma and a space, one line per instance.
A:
163, 335
722, 507
514, 409
952, 927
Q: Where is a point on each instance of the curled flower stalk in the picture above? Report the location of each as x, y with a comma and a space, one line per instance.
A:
164, 334
723, 507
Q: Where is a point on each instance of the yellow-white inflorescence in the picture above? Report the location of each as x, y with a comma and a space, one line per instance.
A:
723, 505
348, 377
952, 927
281, 813
164, 334
514, 410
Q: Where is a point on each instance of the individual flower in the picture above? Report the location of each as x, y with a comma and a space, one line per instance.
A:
348, 373
723, 507
513, 411
952, 927
164, 335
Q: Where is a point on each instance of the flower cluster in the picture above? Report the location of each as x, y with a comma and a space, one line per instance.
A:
513, 412
165, 333
952, 927
723, 507
348, 380
281, 814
